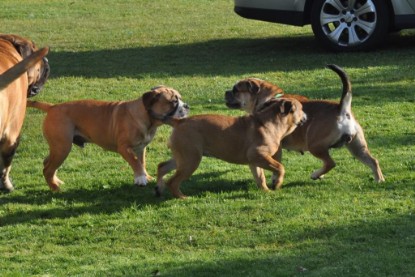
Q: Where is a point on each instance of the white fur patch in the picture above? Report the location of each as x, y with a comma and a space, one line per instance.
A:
346, 124
182, 110
140, 181
317, 174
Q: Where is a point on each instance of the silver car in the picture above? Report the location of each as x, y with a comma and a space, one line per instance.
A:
337, 24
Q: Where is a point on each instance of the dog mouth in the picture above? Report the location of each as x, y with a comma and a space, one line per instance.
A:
180, 110
302, 120
230, 100
233, 105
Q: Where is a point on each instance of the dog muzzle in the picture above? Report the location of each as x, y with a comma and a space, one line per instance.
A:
36, 87
230, 100
303, 120
180, 110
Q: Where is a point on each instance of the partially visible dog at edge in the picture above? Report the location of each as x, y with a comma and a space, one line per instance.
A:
251, 140
125, 127
24, 69
330, 124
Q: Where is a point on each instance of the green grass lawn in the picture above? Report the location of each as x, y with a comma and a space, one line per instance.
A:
101, 225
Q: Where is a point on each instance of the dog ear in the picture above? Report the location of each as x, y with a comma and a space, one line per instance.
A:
286, 107
23, 47
149, 98
253, 87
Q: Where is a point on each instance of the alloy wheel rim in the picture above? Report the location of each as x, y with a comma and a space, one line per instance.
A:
348, 22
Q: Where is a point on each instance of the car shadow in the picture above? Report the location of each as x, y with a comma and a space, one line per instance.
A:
225, 57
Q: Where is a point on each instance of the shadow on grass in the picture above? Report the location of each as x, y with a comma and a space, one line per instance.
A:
72, 202
78, 201
221, 57
376, 247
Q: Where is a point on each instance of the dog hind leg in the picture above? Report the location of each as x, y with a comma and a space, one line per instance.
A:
186, 163
51, 164
358, 148
328, 162
163, 169
58, 151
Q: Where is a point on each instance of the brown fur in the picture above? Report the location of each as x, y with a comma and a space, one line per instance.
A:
330, 124
20, 68
251, 140
125, 127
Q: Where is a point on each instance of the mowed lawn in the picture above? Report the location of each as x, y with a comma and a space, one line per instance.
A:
101, 225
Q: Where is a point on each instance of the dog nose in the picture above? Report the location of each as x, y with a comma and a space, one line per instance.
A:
186, 106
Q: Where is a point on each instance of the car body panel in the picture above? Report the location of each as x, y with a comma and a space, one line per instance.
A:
297, 5
403, 7
294, 12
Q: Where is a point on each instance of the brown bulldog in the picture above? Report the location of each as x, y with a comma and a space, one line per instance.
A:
251, 140
125, 127
329, 125
23, 73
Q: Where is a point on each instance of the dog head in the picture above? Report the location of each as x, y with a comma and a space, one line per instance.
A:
38, 74
251, 94
289, 112
163, 103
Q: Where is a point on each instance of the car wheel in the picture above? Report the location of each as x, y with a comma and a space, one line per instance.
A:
349, 25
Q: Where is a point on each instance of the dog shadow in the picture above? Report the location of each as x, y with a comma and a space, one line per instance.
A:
72, 202
109, 198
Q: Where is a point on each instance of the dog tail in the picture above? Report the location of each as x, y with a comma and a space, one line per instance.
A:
18, 69
39, 105
346, 99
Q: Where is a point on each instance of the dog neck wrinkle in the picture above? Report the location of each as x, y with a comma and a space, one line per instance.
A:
140, 122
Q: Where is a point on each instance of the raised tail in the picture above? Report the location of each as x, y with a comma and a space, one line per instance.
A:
39, 105
346, 99
18, 69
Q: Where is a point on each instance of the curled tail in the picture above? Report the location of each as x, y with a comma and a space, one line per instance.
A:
18, 69
39, 105
346, 99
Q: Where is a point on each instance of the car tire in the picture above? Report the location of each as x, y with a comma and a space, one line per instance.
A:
343, 28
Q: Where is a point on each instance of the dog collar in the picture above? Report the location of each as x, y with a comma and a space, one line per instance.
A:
163, 117
279, 95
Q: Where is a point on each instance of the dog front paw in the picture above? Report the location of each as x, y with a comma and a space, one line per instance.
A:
316, 176
141, 181
6, 186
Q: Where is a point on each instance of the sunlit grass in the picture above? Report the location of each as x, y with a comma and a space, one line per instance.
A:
100, 224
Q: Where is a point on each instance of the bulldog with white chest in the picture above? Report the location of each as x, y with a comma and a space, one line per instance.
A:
126, 127
330, 124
